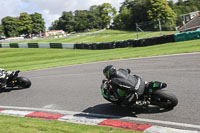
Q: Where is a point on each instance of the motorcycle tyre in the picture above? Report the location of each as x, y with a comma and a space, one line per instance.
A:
23, 82
164, 99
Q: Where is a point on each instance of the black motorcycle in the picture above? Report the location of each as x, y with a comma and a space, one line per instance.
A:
159, 97
13, 80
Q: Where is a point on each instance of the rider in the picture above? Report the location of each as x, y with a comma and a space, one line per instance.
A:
124, 86
4, 75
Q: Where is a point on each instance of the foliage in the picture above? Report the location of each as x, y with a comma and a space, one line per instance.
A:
10, 25
140, 11
82, 20
132, 12
38, 24
101, 16
137, 11
184, 7
122, 20
160, 10
66, 22
95, 11
25, 24
1, 30
106, 14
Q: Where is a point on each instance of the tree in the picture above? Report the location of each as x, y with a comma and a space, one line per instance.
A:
107, 12
1, 30
171, 3
81, 20
184, 7
38, 24
160, 10
136, 12
54, 25
25, 24
93, 21
96, 16
66, 22
86, 20
10, 25
122, 20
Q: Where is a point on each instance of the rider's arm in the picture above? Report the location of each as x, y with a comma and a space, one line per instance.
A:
108, 91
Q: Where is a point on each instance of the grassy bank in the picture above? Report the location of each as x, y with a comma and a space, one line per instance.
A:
104, 36
27, 125
31, 59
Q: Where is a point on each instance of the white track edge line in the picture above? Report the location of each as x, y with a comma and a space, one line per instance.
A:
103, 116
162, 122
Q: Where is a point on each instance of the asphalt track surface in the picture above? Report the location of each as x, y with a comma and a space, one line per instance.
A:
77, 88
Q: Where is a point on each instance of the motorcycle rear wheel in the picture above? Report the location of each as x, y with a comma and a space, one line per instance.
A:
164, 99
23, 82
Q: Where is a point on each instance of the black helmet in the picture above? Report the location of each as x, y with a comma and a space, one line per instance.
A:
109, 71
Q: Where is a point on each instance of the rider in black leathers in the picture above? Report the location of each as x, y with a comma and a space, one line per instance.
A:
4, 76
124, 86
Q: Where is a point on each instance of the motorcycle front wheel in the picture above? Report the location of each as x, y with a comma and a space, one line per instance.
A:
23, 82
164, 99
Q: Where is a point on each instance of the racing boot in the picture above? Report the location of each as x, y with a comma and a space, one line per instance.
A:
163, 85
156, 85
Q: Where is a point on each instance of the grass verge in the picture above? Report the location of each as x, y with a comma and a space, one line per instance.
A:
34, 58
10, 124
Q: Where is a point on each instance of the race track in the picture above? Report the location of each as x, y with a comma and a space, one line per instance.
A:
77, 88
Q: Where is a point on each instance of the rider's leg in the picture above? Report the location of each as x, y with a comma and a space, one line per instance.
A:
156, 84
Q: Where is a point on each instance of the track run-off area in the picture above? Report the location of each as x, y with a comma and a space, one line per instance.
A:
76, 88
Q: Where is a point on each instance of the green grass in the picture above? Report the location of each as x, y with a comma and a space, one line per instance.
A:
34, 58
11, 124
105, 36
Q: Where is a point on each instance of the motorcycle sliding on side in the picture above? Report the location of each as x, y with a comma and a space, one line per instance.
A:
151, 96
12, 80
